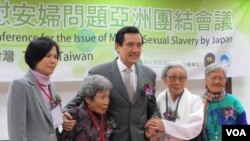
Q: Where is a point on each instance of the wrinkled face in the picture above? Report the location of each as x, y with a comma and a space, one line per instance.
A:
216, 81
100, 102
130, 50
176, 80
48, 64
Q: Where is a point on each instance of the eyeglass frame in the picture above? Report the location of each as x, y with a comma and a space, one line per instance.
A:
174, 78
220, 79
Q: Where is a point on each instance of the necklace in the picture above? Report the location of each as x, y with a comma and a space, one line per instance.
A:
169, 114
48, 95
102, 138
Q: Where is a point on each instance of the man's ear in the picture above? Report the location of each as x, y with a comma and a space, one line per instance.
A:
117, 47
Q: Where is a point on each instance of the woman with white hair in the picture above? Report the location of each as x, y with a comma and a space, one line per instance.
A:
221, 108
181, 111
92, 124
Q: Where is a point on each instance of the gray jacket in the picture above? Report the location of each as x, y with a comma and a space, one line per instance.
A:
28, 117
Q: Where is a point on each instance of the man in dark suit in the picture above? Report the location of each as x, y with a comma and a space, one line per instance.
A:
129, 112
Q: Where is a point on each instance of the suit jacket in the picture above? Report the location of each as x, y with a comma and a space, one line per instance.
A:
130, 117
28, 117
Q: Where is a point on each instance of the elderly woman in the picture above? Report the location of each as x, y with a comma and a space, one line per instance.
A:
90, 115
221, 108
181, 111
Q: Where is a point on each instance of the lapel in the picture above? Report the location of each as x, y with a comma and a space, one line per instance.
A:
140, 74
37, 94
117, 81
53, 89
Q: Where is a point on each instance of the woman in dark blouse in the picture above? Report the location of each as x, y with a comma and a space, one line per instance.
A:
90, 115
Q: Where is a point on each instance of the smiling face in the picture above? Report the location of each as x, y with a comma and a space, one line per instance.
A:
130, 50
48, 64
216, 81
100, 102
176, 80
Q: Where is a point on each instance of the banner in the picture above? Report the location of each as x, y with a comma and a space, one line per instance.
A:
195, 32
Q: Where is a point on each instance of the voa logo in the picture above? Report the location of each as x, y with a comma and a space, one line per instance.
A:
236, 132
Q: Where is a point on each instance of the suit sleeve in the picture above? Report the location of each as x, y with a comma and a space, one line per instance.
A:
152, 109
75, 102
16, 111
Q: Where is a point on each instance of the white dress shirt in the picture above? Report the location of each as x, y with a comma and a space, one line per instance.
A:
122, 67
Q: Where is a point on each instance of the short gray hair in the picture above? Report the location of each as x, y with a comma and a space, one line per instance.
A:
175, 64
213, 67
92, 84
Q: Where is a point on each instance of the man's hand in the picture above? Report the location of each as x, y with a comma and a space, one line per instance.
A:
68, 122
157, 124
150, 132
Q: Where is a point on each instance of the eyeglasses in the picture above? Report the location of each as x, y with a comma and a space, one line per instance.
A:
217, 78
175, 78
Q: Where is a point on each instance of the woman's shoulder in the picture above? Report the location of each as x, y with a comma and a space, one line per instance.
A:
19, 82
162, 94
231, 97
231, 100
192, 95
79, 112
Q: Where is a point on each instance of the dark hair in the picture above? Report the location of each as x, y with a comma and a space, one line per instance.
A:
38, 49
119, 38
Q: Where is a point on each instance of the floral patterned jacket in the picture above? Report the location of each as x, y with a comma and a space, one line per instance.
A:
84, 130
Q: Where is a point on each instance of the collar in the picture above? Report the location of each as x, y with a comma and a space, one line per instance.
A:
172, 102
122, 66
42, 79
211, 97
